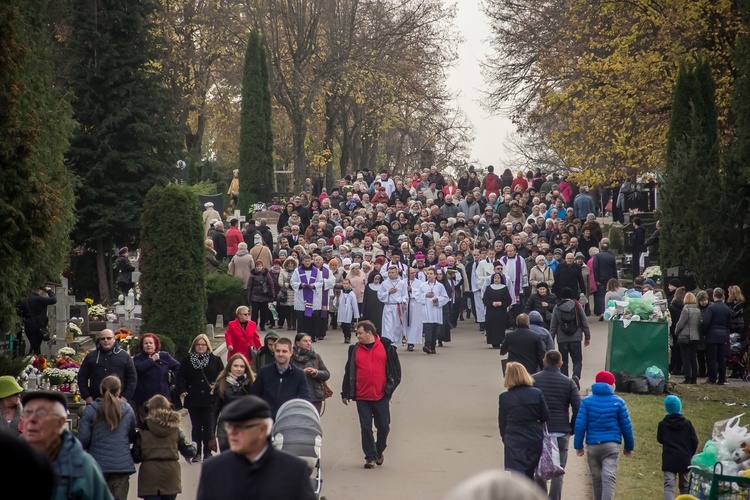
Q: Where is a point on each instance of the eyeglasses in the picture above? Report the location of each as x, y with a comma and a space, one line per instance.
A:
39, 412
106, 338
231, 426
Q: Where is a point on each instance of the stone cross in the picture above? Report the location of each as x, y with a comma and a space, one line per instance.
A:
237, 216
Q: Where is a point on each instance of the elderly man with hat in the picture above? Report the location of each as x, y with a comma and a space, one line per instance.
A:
602, 423
209, 214
10, 405
252, 468
124, 271
45, 429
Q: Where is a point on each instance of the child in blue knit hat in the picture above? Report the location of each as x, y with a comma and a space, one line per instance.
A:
679, 442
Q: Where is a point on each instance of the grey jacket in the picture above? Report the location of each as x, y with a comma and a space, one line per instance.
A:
583, 324
689, 324
561, 395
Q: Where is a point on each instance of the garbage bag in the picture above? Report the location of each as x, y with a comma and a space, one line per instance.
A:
707, 458
656, 381
641, 307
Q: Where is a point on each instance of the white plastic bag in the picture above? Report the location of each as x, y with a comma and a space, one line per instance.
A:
729, 435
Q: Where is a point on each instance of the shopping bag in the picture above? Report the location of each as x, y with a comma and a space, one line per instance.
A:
549, 463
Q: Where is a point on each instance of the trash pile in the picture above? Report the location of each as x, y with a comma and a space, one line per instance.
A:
649, 307
651, 382
722, 469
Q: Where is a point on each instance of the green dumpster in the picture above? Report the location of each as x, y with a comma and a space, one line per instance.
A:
641, 345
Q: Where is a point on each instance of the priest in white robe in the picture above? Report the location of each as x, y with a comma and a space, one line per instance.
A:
413, 325
432, 296
482, 270
392, 293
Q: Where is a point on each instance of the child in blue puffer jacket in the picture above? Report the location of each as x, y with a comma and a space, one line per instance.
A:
603, 420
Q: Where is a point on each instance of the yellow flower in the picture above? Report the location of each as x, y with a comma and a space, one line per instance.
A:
89, 302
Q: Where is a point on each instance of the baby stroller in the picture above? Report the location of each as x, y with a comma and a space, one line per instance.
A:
297, 431
737, 358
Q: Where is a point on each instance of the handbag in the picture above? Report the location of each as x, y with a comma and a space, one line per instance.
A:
327, 390
282, 295
549, 462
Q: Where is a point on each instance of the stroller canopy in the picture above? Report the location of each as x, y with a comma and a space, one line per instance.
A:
297, 429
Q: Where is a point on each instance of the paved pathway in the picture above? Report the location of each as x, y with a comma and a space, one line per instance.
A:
444, 423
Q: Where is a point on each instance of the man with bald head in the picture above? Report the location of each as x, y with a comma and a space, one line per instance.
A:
568, 274
107, 359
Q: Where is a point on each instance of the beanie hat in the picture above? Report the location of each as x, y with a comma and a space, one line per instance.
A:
566, 293
122, 251
542, 284
675, 282
649, 281
672, 404
605, 377
333, 261
346, 262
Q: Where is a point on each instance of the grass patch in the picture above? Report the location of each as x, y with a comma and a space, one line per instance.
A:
639, 476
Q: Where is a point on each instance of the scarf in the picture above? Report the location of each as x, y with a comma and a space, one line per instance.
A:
199, 361
324, 301
516, 278
235, 381
308, 294
302, 355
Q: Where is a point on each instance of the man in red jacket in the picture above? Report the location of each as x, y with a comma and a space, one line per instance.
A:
371, 375
234, 238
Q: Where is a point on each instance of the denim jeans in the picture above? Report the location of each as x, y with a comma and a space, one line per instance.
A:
603, 460
669, 482
576, 356
380, 412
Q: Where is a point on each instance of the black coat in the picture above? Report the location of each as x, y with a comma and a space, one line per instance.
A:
220, 245
562, 398
569, 276
535, 304
717, 323
679, 443
198, 383
522, 411
33, 309
99, 364
124, 270
524, 346
276, 476
372, 308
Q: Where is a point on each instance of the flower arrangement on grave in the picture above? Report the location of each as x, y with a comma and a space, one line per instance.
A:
89, 301
61, 377
126, 339
97, 313
653, 272
275, 208
72, 327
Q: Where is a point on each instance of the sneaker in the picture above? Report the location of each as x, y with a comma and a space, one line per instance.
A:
577, 381
370, 464
197, 459
347, 340
380, 460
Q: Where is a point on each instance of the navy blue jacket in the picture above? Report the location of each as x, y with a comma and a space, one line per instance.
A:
153, 376
717, 322
276, 389
99, 364
561, 395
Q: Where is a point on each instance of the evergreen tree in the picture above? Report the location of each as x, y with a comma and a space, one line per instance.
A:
256, 137
693, 181
36, 191
128, 141
173, 286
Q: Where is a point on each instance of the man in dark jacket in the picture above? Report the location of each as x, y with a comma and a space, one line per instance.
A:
605, 268
638, 240
371, 375
563, 400
124, 271
523, 345
717, 322
220, 241
253, 468
33, 310
107, 359
570, 343
279, 382
569, 275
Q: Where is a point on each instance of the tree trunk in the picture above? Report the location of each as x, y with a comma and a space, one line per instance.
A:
328, 141
102, 270
299, 133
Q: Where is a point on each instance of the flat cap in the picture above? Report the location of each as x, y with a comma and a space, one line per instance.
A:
58, 397
558, 250
246, 408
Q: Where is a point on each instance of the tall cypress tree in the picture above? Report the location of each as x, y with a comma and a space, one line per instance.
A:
128, 140
36, 190
693, 181
173, 285
256, 138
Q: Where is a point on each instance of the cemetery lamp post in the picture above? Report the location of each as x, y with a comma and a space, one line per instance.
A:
181, 165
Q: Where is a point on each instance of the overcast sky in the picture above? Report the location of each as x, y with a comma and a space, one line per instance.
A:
490, 131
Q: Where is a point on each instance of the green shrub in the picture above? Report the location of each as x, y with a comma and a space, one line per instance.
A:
616, 241
203, 187
224, 294
12, 366
173, 286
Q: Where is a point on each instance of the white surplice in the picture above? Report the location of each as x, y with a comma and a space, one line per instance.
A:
432, 313
414, 315
393, 314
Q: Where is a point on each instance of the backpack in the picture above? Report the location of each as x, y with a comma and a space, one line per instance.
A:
568, 320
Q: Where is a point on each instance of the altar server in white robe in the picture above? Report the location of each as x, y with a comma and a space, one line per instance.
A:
414, 310
433, 297
392, 293
483, 269
348, 309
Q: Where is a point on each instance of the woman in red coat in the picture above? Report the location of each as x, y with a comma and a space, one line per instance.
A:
242, 335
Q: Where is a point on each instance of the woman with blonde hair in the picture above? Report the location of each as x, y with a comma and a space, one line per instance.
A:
234, 381
212, 265
687, 332
195, 383
736, 302
106, 431
522, 412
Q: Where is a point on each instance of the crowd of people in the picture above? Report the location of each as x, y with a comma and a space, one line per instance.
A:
398, 263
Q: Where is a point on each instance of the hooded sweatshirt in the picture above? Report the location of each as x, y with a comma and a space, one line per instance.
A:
265, 355
679, 442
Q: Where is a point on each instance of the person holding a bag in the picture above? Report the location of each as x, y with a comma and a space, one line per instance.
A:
563, 400
522, 413
316, 373
260, 291
242, 335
